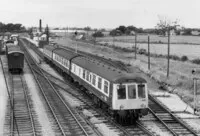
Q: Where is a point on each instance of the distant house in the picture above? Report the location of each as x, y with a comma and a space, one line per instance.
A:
43, 37
195, 32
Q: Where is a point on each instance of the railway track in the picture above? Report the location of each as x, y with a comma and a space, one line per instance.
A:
172, 123
21, 118
169, 122
65, 120
87, 103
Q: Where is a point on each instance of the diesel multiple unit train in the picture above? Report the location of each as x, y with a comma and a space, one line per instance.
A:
124, 95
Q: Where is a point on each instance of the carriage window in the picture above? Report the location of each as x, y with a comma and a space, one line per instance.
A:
94, 80
106, 87
90, 77
74, 68
99, 82
121, 92
131, 92
79, 72
87, 75
67, 63
141, 91
84, 74
62, 60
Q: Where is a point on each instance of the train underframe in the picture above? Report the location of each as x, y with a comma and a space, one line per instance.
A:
123, 117
16, 70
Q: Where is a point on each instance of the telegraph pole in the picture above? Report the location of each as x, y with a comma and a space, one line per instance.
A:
135, 45
168, 52
195, 93
148, 53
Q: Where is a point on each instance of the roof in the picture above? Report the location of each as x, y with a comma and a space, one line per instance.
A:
109, 73
14, 49
14, 35
101, 69
49, 47
65, 53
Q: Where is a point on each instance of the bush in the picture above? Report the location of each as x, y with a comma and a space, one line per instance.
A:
98, 34
184, 58
174, 57
142, 51
196, 61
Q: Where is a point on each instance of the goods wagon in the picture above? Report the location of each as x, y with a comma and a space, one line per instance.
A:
15, 57
2, 47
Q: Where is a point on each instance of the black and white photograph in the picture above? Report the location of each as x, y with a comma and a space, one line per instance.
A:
100, 68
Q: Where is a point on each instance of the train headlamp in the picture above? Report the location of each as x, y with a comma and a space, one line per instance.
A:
143, 106
121, 107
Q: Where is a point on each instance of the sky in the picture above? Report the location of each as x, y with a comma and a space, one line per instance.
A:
100, 13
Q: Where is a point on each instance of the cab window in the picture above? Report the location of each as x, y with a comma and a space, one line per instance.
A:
121, 92
141, 91
131, 92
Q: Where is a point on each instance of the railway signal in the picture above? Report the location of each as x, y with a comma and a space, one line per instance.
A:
196, 77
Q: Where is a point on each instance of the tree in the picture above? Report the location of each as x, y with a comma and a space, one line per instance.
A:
87, 28
122, 29
115, 32
165, 25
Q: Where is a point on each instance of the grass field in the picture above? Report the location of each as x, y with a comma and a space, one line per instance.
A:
179, 45
154, 39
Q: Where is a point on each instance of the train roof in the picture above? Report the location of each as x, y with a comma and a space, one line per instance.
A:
14, 49
49, 47
65, 53
110, 73
107, 72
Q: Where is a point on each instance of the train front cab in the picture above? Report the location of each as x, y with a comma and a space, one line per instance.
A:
130, 100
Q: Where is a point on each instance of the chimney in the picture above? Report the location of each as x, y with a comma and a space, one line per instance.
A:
40, 25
